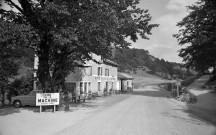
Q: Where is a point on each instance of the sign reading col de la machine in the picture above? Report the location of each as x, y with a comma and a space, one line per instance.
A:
47, 99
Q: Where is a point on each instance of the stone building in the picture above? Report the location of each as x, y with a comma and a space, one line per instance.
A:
93, 77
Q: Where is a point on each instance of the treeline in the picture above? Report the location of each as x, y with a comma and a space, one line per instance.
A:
140, 59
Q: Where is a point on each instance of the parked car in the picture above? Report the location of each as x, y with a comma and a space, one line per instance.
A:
25, 100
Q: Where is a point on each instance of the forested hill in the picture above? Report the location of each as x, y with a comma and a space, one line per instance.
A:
141, 60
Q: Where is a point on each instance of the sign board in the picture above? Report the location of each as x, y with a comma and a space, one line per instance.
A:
47, 99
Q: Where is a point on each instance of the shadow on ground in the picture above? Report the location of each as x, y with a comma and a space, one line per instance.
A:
204, 109
153, 93
193, 119
9, 109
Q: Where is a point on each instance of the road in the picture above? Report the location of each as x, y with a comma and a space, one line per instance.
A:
148, 111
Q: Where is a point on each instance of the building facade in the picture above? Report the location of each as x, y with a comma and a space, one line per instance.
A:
125, 82
93, 77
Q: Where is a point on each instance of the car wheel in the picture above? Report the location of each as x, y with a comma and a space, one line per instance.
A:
17, 104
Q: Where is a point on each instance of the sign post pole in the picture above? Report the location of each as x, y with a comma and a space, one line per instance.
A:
40, 108
54, 109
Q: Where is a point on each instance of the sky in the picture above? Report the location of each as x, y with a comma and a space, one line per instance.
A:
166, 13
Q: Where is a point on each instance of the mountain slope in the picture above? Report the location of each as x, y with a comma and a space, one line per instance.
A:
139, 60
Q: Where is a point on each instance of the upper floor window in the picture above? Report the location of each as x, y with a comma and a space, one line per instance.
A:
106, 72
88, 71
99, 71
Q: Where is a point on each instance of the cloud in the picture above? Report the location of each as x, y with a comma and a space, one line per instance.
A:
162, 44
165, 45
179, 5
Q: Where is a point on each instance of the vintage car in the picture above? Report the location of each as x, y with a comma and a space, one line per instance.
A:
25, 100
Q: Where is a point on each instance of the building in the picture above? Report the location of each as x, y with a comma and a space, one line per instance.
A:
125, 82
93, 77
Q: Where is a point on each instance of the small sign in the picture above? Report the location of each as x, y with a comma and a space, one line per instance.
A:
47, 99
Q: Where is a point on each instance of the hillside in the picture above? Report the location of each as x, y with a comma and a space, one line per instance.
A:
140, 61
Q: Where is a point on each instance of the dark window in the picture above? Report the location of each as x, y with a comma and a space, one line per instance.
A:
99, 71
81, 87
99, 83
85, 87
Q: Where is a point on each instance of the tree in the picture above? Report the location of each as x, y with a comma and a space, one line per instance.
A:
8, 56
64, 33
198, 32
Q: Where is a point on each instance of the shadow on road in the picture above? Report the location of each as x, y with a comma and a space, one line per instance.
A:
152, 93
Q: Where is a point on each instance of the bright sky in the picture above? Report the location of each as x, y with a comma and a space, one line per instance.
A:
166, 13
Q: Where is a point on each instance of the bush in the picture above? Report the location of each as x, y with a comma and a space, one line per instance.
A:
190, 80
20, 86
187, 96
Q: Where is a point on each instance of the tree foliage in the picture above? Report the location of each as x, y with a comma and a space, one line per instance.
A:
8, 58
198, 32
20, 86
65, 32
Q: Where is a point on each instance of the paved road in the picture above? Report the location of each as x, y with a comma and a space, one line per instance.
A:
147, 112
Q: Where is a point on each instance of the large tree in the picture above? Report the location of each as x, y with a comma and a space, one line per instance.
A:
65, 32
8, 56
198, 33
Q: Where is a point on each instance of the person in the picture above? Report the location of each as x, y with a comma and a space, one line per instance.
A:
66, 100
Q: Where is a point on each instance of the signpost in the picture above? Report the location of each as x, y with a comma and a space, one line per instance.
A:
44, 99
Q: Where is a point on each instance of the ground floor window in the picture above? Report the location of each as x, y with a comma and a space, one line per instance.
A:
89, 86
99, 86
85, 87
81, 87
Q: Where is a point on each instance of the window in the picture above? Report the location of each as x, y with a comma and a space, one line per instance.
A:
81, 87
99, 85
107, 87
85, 87
106, 72
99, 71
88, 71
89, 86
112, 86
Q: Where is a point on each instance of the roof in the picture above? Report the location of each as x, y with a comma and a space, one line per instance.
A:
110, 62
124, 76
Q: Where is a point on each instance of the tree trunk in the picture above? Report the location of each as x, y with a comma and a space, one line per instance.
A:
3, 96
214, 72
43, 65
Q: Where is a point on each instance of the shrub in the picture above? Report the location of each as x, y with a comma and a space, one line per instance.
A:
190, 80
20, 86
